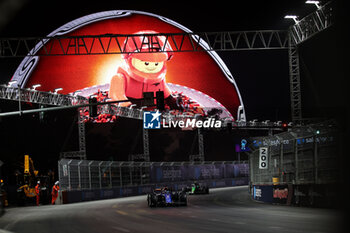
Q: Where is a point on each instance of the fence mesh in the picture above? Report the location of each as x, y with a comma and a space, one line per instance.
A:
301, 156
86, 174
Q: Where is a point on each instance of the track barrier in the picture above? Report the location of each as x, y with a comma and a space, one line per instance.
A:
297, 167
73, 196
84, 180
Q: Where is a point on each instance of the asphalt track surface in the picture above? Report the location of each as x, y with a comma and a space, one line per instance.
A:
223, 210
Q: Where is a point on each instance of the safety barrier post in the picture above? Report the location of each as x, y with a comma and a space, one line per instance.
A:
99, 173
79, 176
141, 167
130, 172
110, 174
315, 160
281, 163
296, 160
120, 176
68, 169
89, 171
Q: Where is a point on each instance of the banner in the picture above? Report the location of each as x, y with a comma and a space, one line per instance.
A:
159, 174
263, 193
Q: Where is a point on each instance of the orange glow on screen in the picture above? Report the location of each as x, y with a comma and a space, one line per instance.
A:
196, 70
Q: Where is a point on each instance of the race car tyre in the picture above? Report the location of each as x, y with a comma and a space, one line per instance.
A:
150, 202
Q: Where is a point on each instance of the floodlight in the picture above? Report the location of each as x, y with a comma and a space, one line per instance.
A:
35, 86
57, 90
294, 17
314, 2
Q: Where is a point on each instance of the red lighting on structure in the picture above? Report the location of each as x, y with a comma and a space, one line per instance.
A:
284, 126
205, 73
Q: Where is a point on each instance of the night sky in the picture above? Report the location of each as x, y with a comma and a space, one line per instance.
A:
262, 76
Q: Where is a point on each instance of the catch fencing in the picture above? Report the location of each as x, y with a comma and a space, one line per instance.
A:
305, 155
95, 175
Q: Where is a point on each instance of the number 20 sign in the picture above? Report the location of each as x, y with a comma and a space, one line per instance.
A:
263, 158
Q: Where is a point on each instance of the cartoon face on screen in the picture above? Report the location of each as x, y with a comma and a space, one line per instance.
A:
147, 67
192, 82
143, 69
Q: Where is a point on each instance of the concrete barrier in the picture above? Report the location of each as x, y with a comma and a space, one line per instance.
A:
316, 195
99, 194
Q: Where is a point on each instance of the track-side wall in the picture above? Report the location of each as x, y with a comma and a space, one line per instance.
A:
84, 180
298, 167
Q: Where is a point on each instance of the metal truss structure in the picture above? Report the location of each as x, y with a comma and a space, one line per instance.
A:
183, 42
312, 24
289, 39
298, 33
145, 156
81, 153
114, 43
39, 97
61, 101
127, 112
294, 84
81, 128
200, 156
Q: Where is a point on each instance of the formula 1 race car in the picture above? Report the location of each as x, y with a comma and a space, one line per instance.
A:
165, 197
196, 188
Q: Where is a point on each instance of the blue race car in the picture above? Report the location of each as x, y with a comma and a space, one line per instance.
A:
166, 197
